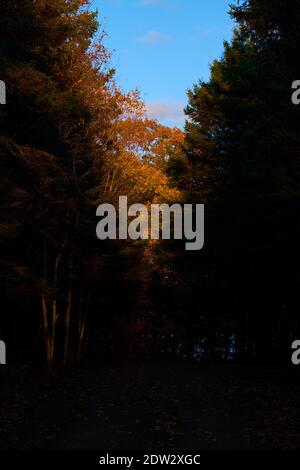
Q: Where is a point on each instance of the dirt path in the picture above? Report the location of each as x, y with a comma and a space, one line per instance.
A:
164, 406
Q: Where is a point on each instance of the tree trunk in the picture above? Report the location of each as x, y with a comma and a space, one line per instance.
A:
68, 324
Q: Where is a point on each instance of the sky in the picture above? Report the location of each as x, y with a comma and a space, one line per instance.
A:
163, 47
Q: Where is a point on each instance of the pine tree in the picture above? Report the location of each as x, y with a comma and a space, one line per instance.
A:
243, 141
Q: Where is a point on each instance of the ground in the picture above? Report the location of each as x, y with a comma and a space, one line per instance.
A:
161, 405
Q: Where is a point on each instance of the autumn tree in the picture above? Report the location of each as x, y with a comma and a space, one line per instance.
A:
54, 128
70, 139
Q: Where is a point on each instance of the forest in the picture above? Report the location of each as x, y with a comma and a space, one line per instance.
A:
71, 139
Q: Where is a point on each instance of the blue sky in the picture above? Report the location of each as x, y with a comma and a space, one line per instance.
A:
162, 47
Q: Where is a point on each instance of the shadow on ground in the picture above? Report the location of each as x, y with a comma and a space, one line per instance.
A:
160, 406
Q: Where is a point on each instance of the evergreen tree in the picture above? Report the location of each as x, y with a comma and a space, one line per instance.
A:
244, 129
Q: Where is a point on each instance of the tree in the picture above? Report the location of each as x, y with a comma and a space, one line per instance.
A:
69, 139
243, 145
53, 72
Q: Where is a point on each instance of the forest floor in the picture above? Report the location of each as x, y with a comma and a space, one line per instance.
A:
161, 405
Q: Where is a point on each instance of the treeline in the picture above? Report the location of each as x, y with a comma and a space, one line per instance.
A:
70, 140
242, 144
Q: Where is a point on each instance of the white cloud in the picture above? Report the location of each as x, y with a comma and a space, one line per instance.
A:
160, 3
154, 37
172, 112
